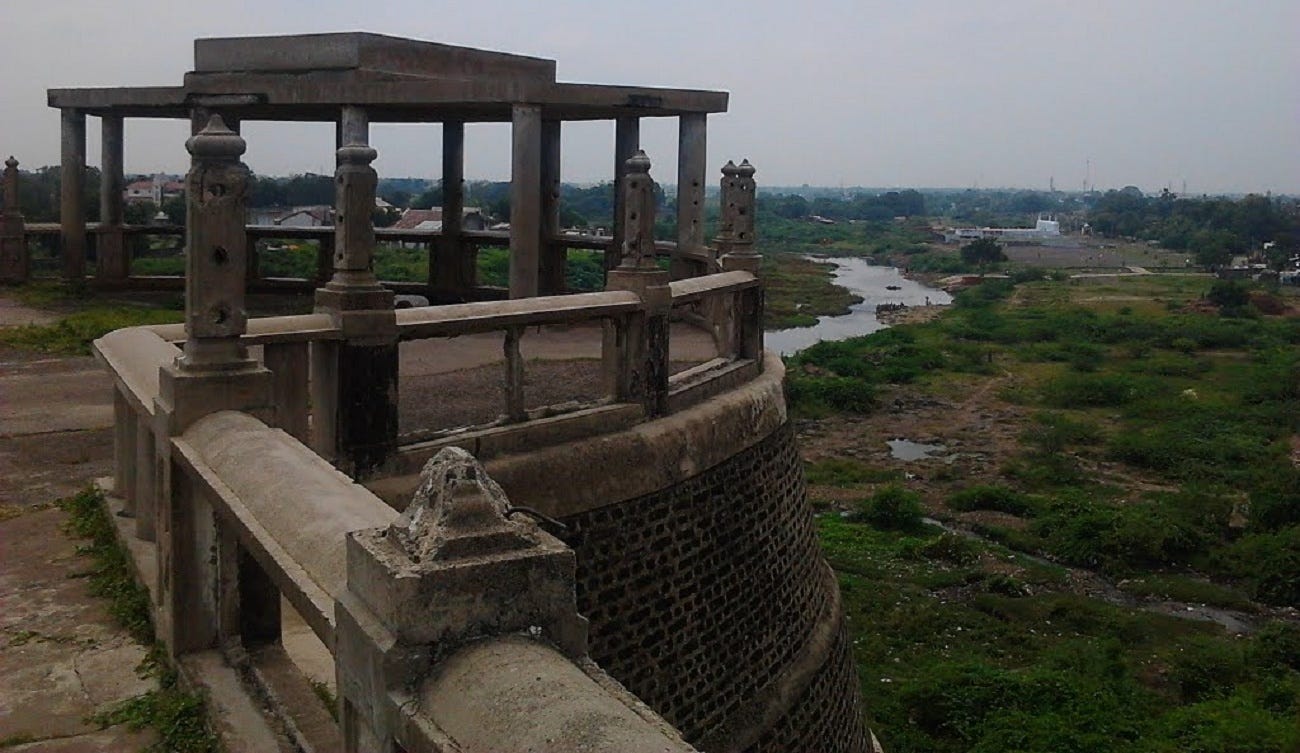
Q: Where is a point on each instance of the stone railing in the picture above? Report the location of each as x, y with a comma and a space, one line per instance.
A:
241, 445
34, 251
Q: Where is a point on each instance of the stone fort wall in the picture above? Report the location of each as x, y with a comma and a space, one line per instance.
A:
699, 569
703, 596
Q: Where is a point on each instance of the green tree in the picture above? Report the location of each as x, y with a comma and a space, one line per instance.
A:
982, 253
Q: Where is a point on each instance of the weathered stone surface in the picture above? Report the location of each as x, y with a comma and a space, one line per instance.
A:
456, 501
61, 656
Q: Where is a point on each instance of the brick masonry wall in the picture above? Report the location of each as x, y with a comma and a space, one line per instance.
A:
701, 594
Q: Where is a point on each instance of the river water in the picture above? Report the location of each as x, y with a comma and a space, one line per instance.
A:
869, 281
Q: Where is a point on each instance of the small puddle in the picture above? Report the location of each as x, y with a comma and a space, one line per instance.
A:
906, 449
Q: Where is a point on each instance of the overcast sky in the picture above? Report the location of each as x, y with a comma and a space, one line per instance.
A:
921, 93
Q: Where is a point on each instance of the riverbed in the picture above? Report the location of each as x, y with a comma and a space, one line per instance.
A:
872, 283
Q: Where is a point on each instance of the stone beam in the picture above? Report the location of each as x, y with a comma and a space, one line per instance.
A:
525, 200
72, 204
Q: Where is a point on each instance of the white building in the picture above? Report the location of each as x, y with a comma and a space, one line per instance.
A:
1043, 228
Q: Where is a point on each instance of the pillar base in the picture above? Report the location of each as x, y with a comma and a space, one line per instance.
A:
112, 260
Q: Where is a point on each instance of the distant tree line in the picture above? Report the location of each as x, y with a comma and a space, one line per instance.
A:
860, 206
1211, 229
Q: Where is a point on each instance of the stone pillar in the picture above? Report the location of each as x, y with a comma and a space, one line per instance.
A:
692, 167
72, 205
627, 142
738, 201
214, 373
638, 370
364, 408
114, 262
554, 253
525, 200
13, 239
451, 267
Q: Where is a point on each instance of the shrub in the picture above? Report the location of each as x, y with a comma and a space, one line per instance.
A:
818, 395
991, 497
1275, 504
1093, 390
1207, 668
845, 472
951, 547
893, 508
1269, 563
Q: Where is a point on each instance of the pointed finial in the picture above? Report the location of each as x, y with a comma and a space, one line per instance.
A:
11, 162
216, 141
745, 170
730, 169
638, 163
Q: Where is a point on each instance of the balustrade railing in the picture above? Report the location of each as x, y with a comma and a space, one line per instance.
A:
230, 452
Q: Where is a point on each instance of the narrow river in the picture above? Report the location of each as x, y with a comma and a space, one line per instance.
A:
873, 284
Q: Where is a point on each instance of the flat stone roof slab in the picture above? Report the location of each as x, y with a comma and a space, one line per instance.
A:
362, 51
309, 77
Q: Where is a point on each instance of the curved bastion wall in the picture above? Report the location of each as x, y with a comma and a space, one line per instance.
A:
700, 571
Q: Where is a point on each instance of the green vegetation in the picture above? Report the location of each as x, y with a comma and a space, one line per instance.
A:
73, 334
1155, 452
955, 655
174, 713
798, 290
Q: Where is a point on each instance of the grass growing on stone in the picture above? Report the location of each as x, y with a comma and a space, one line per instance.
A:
177, 715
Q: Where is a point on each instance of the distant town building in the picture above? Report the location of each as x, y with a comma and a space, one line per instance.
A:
155, 189
430, 220
308, 216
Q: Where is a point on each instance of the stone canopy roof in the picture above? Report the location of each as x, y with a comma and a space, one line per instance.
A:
311, 76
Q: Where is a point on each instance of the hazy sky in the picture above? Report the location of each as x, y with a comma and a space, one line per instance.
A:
917, 93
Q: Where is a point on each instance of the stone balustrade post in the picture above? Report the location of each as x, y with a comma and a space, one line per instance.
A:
14, 265
745, 325
213, 373
355, 380
638, 366
455, 568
